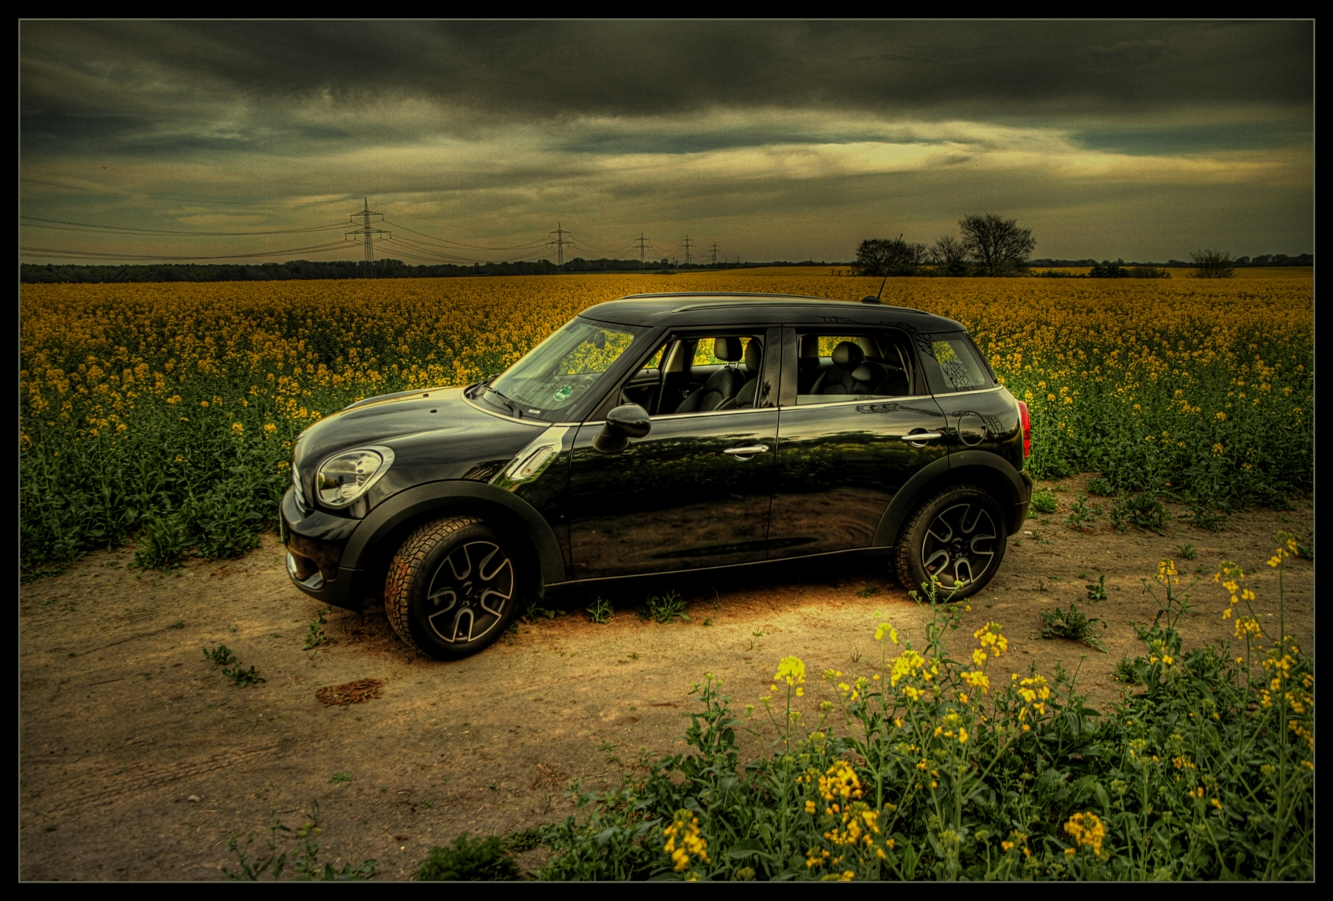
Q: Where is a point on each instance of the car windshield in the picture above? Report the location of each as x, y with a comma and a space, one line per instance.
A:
562, 369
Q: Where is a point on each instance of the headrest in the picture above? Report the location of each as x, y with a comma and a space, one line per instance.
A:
728, 349
869, 374
754, 356
810, 347
847, 354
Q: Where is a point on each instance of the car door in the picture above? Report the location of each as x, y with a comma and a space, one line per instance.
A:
693, 493
844, 454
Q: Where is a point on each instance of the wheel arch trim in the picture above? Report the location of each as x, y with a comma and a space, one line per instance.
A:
463, 497
985, 469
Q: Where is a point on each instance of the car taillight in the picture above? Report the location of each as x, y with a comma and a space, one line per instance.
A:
1027, 429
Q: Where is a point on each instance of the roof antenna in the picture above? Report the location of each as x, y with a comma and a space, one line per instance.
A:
875, 299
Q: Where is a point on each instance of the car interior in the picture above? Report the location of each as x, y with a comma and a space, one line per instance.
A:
698, 375
839, 367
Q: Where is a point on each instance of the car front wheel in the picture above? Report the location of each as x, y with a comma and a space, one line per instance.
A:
957, 538
452, 588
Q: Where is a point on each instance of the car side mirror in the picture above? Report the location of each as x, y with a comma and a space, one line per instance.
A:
622, 423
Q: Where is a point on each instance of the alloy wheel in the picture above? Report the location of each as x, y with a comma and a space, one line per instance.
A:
959, 545
469, 592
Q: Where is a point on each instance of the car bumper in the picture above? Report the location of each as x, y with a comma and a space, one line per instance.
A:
1021, 508
315, 544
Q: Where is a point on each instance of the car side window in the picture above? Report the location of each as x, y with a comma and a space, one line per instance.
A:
954, 365
710, 373
833, 366
692, 374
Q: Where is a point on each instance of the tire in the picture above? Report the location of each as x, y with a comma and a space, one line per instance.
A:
453, 587
958, 536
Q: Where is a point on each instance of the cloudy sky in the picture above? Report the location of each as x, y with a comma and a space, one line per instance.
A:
778, 140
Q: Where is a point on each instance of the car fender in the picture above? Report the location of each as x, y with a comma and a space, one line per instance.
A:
466, 497
1013, 489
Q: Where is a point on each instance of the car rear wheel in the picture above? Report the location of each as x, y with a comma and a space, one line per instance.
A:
452, 588
957, 538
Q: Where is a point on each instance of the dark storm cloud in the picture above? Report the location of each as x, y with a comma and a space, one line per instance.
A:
800, 137
551, 69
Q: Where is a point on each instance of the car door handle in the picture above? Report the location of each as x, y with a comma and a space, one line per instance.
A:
747, 452
915, 437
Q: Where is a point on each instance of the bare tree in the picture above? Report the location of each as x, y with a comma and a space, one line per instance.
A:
880, 256
948, 256
998, 246
1212, 264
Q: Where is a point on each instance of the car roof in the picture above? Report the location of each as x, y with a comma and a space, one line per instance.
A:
747, 309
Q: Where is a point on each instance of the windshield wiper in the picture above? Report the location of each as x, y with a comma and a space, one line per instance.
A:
485, 386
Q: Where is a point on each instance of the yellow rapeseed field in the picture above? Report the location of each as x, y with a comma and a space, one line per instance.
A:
135, 398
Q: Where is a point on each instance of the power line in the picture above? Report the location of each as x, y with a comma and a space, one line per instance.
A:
96, 254
687, 244
66, 225
440, 255
461, 244
53, 184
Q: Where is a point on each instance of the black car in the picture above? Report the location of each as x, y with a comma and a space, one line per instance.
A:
662, 433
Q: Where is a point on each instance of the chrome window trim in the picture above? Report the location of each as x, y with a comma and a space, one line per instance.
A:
972, 391
682, 416
876, 399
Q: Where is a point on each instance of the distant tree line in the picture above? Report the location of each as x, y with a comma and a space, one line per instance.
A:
987, 244
292, 269
1205, 263
1268, 259
1107, 269
337, 269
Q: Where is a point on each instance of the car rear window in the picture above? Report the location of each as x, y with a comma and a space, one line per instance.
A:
953, 365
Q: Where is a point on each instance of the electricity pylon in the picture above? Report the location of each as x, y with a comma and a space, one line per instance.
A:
365, 233
559, 243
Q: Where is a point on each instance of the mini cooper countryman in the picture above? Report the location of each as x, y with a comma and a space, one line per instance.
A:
657, 434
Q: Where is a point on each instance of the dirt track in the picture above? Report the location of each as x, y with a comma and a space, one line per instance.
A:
139, 761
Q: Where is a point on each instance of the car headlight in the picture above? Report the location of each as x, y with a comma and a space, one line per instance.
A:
343, 478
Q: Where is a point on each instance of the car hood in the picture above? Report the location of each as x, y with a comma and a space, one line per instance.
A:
435, 428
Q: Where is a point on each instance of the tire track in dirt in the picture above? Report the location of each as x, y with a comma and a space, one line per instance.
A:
137, 779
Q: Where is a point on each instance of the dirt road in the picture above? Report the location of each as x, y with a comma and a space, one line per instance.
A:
139, 760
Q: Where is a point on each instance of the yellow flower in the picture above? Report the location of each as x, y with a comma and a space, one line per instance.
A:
791, 669
1087, 830
884, 629
237, 428
684, 841
991, 640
